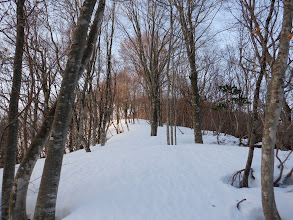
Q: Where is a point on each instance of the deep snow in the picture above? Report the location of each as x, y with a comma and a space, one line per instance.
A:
138, 177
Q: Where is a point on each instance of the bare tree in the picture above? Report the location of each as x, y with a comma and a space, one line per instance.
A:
273, 115
148, 51
11, 148
249, 17
192, 14
108, 94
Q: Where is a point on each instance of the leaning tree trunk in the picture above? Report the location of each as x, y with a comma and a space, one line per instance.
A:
17, 195
11, 147
46, 202
255, 119
254, 128
272, 117
17, 204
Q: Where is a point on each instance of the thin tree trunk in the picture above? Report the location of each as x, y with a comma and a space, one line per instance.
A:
168, 110
91, 118
107, 106
81, 120
287, 132
154, 114
254, 128
11, 147
95, 118
187, 27
168, 106
272, 117
125, 113
175, 114
160, 108
255, 119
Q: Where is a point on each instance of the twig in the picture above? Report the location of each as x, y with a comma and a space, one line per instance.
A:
238, 204
180, 130
281, 166
252, 176
16, 117
282, 163
290, 173
235, 175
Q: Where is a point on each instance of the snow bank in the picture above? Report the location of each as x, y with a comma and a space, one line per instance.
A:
138, 177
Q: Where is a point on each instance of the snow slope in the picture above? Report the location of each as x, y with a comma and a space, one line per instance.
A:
138, 177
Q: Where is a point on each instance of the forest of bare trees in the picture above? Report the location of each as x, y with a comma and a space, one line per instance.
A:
70, 69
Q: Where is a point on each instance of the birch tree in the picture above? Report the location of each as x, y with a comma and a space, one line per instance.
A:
273, 114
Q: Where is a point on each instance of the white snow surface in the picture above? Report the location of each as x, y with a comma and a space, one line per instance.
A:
139, 177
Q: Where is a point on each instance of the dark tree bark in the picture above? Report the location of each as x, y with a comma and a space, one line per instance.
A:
286, 142
272, 117
187, 27
46, 202
154, 113
11, 147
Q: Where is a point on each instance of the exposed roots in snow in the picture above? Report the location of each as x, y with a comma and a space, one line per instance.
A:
237, 177
281, 167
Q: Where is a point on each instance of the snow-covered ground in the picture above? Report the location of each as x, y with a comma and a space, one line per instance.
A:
138, 177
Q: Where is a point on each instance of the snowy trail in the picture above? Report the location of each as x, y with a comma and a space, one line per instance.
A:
138, 177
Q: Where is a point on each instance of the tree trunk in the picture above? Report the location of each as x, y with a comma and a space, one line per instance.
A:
46, 202
254, 128
37, 145
287, 132
272, 117
125, 114
195, 103
168, 109
255, 119
95, 118
168, 106
17, 205
154, 114
11, 147
187, 27
107, 105
71, 135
